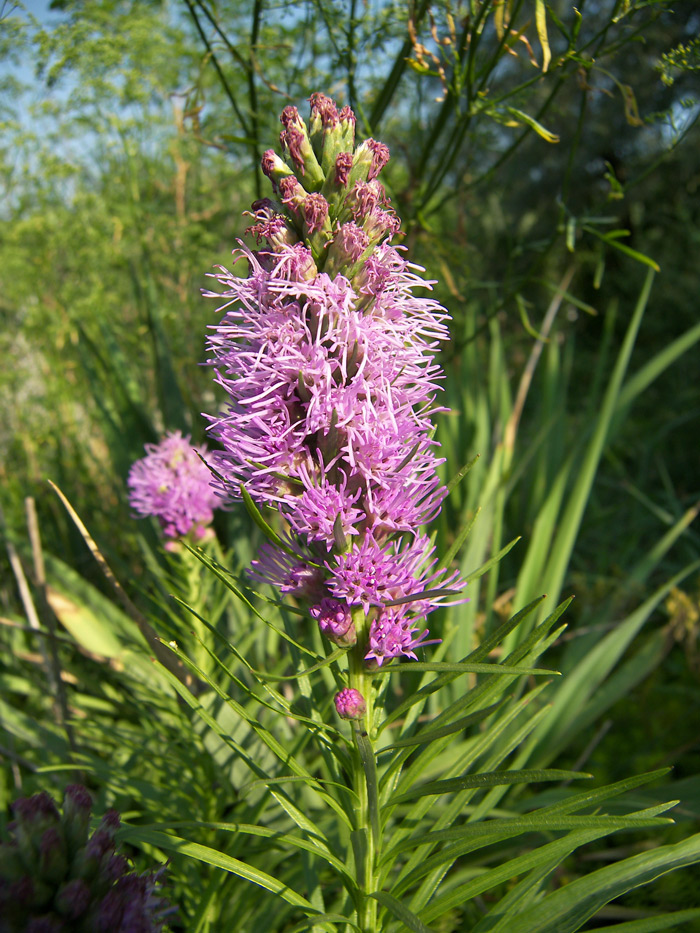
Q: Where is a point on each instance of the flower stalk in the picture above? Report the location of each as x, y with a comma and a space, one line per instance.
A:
327, 356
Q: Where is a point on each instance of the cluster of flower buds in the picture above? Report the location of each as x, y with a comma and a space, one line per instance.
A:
173, 483
327, 357
56, 877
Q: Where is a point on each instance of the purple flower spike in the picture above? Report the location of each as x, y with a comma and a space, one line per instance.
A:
335, 621
326, 352
350, 704
172, 483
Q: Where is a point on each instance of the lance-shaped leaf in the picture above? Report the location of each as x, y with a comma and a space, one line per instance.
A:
489, 779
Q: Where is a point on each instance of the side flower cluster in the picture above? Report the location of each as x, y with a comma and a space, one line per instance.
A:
56, 877
326, 354
172, 483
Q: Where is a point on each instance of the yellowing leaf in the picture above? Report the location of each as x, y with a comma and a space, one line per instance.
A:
420, 67
499, 9
631, 109
533, 124
541, 22
91, 632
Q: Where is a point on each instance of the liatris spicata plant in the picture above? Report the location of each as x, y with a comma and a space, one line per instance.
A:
57, 877
326, 352
327, 355
172, 483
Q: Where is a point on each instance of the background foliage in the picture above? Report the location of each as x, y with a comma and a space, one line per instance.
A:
543, 161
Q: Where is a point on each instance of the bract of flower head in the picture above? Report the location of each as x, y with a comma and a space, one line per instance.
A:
326, 353
173, 484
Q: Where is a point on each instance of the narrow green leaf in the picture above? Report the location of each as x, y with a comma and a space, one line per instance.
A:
550, 853
487, 645
459, 476
275, 746
323, 918
475, 574
595, 796
489, 779
425, 594
454, 549
623, 248
429, 735
672, 921
568, 908
658, 364
294, 778
572, 299
490, 642
401, 912
457, 668
228, 581
497, 829
334, 656
138, 833
264, 526
219, 860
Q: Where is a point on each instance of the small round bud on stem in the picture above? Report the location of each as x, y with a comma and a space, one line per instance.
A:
350, 704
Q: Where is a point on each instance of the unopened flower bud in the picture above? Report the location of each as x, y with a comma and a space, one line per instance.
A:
296, 263
292, 194
347, 247
46, 924
380, 224
363, 198
89, 860
274, 167
77, 806
295, 139
115, 867
347, 125
34, 815
324, 112
343, 164
370, 159
328, 135
335, 621
73, 899
315, 209
380, 157
350, 704
110, 823
36, 811
52, 855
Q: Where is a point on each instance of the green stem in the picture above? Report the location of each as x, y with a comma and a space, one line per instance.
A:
365, 780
